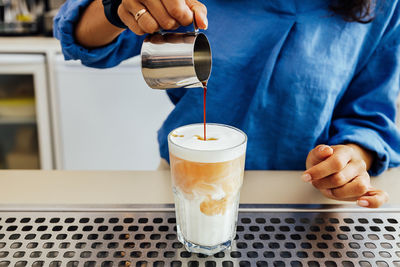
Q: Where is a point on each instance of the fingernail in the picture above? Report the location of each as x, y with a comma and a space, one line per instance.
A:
205, 22
362, 203
306, 177
322, 148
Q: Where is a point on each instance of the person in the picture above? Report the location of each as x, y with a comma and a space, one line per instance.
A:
311, 82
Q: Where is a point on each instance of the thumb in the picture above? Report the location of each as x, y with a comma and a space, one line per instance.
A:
318, 154
200, 13
374, 198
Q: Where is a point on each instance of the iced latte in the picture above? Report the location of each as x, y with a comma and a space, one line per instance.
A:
206, 176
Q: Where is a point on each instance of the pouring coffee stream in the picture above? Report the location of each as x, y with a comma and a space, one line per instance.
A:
204, 109
178, 60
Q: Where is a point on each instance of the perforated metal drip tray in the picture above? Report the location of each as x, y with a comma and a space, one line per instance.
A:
146, 236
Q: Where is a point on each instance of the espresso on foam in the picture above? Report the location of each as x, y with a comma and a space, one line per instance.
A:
207, 138
190, 145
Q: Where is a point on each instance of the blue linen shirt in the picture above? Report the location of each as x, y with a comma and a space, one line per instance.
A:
291, 74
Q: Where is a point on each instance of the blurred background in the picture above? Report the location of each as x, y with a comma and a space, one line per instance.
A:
25, 17
61, 115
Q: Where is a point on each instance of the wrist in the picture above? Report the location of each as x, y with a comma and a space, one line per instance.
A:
93, 29
111, 13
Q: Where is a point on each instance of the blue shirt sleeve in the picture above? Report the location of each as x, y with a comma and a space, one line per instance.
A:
366, 113
125, 46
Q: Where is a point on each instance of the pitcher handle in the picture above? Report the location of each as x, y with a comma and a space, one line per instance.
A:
196, 29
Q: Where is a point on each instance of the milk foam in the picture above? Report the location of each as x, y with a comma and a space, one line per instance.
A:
185, 144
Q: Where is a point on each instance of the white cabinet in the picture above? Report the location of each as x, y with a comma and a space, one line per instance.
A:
108, 119
25, 136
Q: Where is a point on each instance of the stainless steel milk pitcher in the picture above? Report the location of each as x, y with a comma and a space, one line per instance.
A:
173, 60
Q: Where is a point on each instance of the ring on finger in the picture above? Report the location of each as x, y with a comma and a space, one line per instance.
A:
140, 13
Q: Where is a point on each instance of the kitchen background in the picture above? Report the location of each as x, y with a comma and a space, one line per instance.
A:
61, 115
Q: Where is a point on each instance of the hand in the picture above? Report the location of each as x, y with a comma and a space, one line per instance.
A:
165, 14
340, 172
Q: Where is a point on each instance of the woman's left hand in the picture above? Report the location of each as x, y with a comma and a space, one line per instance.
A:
340, 172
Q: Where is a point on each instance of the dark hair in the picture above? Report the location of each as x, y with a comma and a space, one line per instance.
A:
354, 10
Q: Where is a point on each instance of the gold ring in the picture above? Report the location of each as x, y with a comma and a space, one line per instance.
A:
140, 13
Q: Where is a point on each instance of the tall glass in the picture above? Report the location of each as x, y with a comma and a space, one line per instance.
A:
206, 181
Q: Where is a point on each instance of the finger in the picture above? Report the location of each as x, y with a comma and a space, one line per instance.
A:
355, 188
128, 19
373, 199
331, 165
353, 169
200, 12
327, 193
318, 154
146, 22
160, 14
179, 10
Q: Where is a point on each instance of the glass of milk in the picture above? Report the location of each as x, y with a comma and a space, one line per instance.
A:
206, 180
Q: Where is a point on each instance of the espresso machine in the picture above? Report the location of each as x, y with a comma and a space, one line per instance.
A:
27, 17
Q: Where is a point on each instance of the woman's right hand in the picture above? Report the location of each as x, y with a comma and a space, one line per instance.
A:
162, 14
